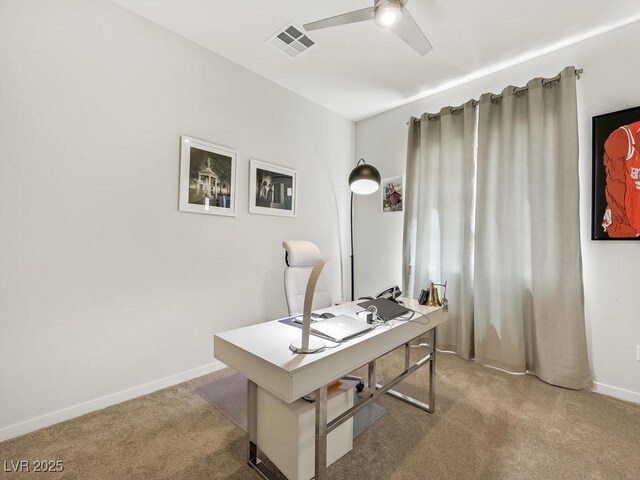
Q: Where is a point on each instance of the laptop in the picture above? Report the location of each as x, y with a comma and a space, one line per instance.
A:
387, 309
340, 328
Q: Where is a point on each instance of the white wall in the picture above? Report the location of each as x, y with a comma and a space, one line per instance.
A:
106, 290
611, 269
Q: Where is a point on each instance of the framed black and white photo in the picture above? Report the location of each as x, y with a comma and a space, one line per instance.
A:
392, 189
615, 211
272, 189
207, 178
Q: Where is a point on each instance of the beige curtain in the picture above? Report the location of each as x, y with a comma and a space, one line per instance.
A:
508, 241
529, 309
438, 228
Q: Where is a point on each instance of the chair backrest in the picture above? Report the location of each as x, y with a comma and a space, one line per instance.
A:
300, 257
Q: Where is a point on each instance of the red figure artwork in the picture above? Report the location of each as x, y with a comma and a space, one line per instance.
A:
622, 166
616, 176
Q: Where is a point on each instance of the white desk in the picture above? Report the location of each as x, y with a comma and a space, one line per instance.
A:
261, 353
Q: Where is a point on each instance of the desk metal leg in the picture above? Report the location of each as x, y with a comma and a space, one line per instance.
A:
321, 434
252, 420
376, 389
427, 407
252, 434
432, 375
372, 377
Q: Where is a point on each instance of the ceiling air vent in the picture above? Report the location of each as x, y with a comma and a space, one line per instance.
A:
291, 41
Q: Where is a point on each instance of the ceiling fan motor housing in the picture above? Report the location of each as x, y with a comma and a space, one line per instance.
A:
387, 12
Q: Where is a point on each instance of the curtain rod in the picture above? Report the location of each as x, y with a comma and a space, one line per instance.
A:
545, 81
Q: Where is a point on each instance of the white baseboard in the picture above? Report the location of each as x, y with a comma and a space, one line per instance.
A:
616, 392
73, 411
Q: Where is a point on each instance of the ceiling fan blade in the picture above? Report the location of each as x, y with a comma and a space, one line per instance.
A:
409, 31
351, 17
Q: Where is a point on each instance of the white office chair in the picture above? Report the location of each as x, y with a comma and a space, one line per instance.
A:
300, 257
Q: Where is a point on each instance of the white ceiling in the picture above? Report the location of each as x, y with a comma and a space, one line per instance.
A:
358, 70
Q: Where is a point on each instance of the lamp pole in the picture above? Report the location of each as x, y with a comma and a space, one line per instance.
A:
352, 261
363, 179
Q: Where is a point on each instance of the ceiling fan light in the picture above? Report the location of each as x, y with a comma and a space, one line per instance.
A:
388, 13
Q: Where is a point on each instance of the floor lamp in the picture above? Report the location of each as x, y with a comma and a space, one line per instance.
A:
363, 180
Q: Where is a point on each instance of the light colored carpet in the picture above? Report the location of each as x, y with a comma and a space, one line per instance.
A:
229, 395
487, 425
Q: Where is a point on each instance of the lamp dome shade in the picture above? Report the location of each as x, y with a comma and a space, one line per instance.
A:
364, 179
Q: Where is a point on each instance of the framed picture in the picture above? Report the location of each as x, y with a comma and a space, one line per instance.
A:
392, 192
615, 213
207, 178
272, 189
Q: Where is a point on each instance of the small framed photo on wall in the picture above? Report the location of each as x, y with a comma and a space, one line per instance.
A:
616, 176
207, 178
392, 194
272, 189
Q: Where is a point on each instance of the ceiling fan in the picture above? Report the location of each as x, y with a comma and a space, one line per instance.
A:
391, 14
